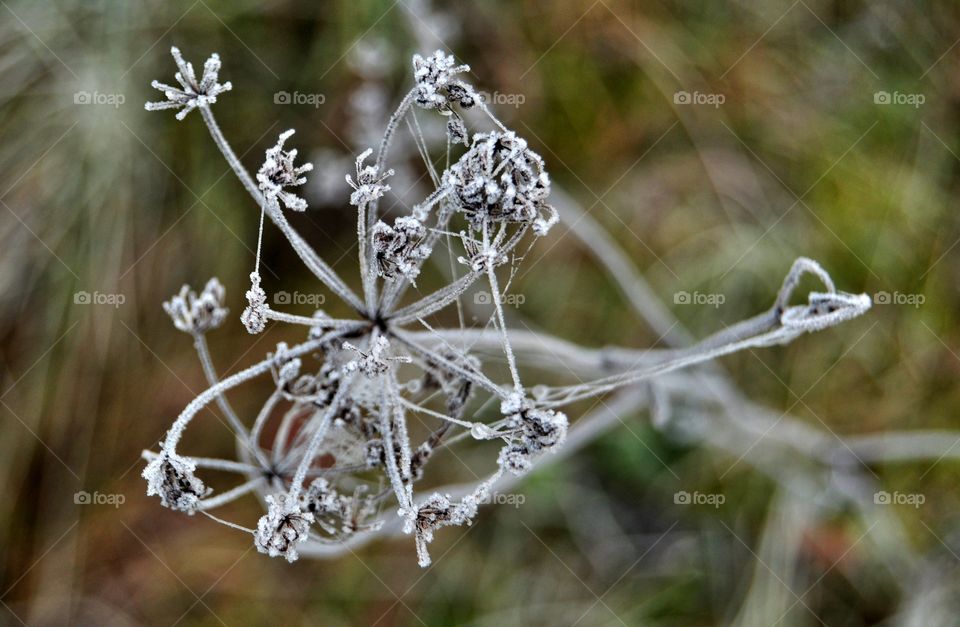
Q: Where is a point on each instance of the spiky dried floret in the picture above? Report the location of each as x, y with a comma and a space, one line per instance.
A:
282, 528
369, 185
191, 93
278, 172
192, 313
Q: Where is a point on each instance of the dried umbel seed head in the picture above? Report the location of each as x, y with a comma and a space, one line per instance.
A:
278, 171
198, 314
282, 528
533, 432
191, 93
171, 477
399, 249
369, 185
501, 180
437, 87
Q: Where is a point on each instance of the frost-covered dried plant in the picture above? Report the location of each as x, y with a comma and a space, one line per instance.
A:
340, 415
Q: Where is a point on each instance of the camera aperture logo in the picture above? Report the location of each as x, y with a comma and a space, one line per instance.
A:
299, 98
298, 298
98, 498
484, 297
698, 498
98, 298
699, 298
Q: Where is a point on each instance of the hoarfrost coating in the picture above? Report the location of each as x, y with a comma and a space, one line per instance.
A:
343, 398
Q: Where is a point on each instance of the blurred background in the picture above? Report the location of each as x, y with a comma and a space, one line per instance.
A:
715, 142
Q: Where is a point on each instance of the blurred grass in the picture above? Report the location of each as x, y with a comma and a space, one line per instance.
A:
702, 198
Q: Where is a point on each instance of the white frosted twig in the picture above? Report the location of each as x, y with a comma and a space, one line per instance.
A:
212, 463
230, 495
498, 307
203, 352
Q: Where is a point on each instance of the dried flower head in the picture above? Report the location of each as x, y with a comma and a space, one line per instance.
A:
198, 314
501, 180
283, 527
191, 93
171, 477
369, 185
399, 249
278, 171
437, 87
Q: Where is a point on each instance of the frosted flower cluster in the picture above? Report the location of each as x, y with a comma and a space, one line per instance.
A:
400, 249
279, 172
501, 180
192, 313
437, 85
191, 93
362, 405
284, 526
172, 478
369, 185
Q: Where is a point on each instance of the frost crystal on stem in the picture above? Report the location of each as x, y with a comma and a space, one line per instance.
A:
191, 93
254, 317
